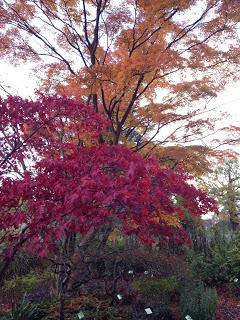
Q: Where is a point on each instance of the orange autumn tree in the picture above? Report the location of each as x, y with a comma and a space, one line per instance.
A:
149, 66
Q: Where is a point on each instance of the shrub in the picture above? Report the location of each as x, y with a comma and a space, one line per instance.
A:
22, 264
23, 311
155, 293
159, 263
233, 257
27, 283
218, 269
198, 302
165, 286
213, 269
34, 285
222, 265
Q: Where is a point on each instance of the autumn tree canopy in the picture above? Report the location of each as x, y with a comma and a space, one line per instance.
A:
120, 55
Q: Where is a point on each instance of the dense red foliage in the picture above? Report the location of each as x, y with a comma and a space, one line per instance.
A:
76, 185
45, 127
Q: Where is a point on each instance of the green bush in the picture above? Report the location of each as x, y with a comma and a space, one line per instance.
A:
217, 268
222, 264
27, 283
198, 302
233, 258
214, 268
159, 286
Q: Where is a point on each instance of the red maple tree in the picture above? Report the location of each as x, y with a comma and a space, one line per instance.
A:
74, 184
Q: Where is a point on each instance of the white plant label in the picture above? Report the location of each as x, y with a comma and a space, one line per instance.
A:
80, 315
148, 311
119, 297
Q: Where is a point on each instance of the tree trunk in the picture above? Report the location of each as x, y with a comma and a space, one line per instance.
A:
61, 307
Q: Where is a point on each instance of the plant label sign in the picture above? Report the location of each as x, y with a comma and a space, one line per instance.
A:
80, 315
148, 311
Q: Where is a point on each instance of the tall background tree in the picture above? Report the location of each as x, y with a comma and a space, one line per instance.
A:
149, 66
226, 189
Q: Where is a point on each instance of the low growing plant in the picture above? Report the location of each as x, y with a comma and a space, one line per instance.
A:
156, 286
23, 311
28, 283
198, 302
